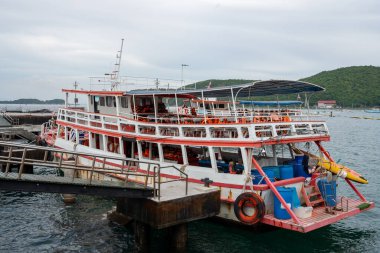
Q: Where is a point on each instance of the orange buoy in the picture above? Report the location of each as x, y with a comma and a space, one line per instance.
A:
249, 208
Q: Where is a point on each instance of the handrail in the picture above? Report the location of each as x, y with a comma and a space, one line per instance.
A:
180, 179
260, 127
8, 118
117, 169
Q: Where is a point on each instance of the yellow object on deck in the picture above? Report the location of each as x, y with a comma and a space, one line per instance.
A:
338, 169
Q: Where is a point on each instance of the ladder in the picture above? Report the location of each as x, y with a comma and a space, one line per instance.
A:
312, 195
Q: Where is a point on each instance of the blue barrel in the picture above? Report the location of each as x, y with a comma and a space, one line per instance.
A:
286, 171
279, 210
328, 191
258, 177
298, 167
296, 201
275, 169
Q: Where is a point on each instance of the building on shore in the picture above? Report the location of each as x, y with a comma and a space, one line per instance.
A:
326, 104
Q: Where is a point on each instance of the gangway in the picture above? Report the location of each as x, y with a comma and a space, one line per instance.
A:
48, 182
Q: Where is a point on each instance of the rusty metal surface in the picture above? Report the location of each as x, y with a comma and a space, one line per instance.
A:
162, 214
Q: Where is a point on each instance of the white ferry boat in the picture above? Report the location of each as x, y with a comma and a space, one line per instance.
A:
262, 160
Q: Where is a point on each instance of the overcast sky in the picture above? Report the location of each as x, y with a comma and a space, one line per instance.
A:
47, 45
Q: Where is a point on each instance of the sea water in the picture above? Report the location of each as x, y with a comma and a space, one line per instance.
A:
41, 222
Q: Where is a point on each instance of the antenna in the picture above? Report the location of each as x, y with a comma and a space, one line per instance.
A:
75, 95
115, 73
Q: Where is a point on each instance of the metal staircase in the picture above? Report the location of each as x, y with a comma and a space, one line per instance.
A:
312, 195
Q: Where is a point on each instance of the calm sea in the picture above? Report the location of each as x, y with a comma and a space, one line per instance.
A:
36, 222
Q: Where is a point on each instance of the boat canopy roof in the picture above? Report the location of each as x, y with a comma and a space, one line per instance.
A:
257, 88
270, 103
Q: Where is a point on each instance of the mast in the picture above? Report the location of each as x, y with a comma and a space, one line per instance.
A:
115, 73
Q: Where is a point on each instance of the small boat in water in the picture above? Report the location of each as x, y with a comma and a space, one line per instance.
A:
373, 110
246, 152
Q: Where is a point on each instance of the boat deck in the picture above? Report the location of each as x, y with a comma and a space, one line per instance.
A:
319, 216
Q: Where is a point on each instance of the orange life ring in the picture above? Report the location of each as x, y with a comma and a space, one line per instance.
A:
249, 200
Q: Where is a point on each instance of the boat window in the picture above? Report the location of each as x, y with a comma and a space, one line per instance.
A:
172, 154
194, 132
102, 101
124, 102
169, 131
245, 132
229, 160
147, 130
198, 156
113, 144
149, 150
224, 132
109, 101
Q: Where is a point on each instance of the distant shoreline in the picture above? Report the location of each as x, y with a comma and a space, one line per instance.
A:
32, 101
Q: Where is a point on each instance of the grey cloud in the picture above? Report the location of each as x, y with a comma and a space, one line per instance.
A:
47, 45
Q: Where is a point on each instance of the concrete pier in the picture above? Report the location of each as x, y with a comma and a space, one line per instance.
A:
172, 212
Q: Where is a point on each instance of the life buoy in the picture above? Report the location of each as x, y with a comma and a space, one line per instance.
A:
249, 208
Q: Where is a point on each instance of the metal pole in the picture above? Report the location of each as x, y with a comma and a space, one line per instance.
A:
155, 109
233, 103
204, 108
176, 104
134, 106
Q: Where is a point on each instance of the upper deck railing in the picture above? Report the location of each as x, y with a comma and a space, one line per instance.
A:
256, 128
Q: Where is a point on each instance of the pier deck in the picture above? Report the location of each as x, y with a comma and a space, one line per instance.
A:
55, 184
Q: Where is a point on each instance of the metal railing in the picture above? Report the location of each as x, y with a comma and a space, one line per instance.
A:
264, 127
112, 166
8, 118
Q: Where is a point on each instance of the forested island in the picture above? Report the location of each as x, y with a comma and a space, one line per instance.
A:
30, 101
357, 86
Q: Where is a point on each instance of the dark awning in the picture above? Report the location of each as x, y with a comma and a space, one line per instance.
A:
257, 88
270, 103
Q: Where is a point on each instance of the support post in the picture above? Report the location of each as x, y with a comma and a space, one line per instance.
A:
184, 154
89, 100
212, 158
141, 231
67, 100
204, 108
155, 108
176, 105
234, 105
117, 100
104, 142
177, 238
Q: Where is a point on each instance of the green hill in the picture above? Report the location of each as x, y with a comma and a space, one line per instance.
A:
357, 86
